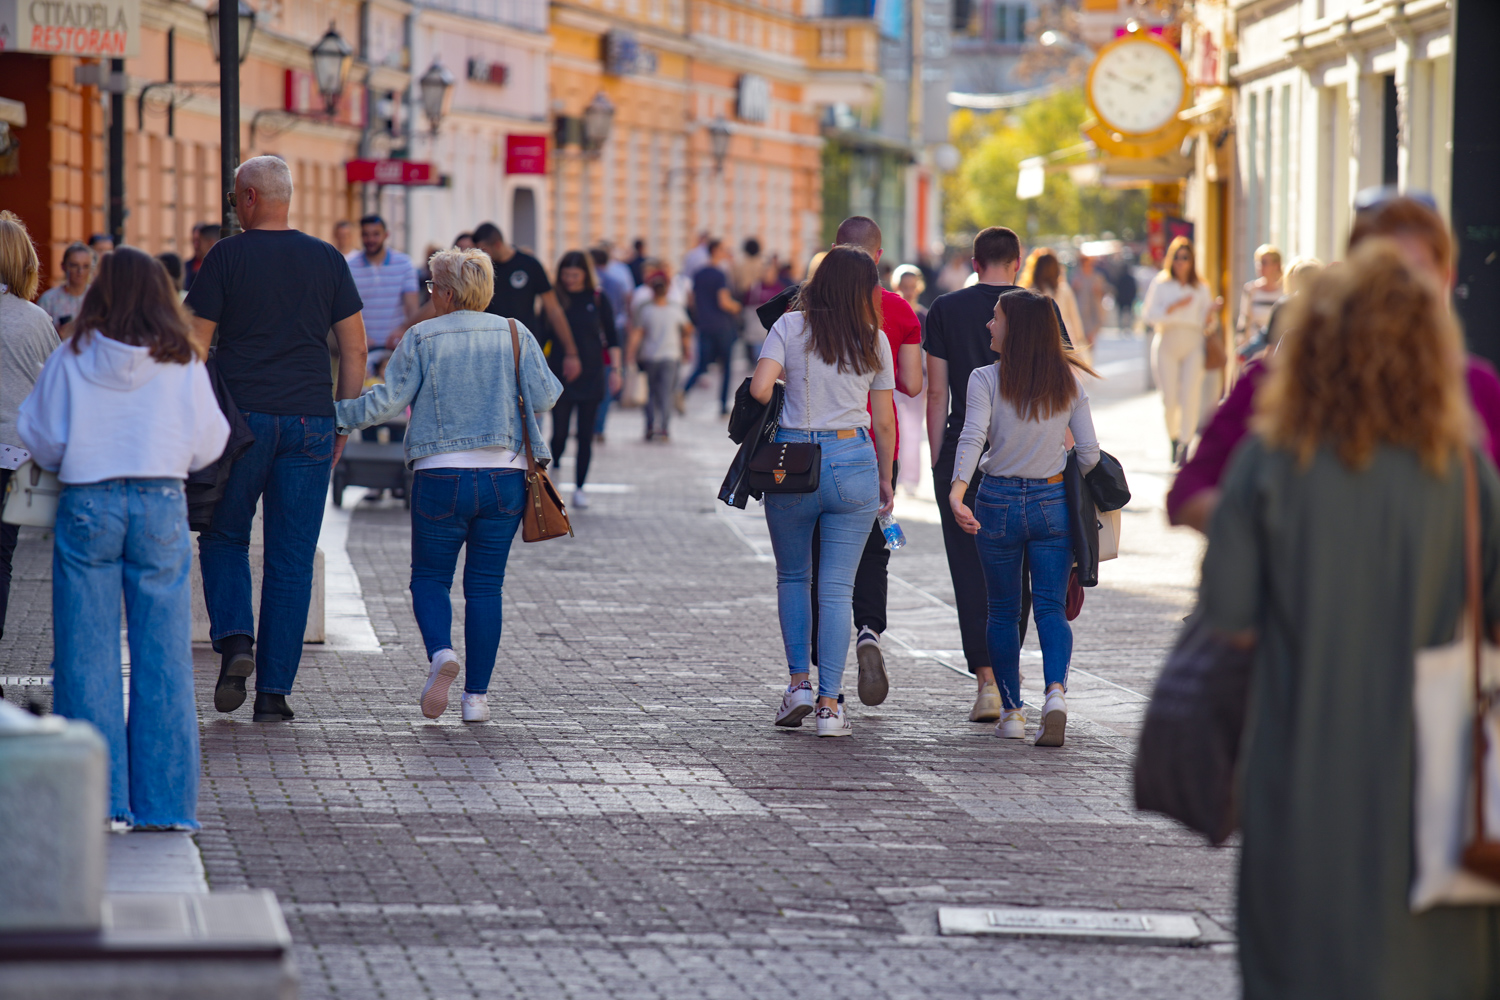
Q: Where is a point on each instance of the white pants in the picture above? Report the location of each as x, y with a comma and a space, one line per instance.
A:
1177, 360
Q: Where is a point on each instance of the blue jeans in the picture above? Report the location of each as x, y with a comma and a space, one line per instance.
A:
843, 507
451, 508
288, 466
1025, 517
130, 536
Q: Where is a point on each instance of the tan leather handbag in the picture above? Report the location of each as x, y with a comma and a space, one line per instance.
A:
544, 516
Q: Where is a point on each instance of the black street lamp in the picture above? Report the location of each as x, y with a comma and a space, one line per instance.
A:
331, 58
436, 84
245, 24
718, 142
598, 120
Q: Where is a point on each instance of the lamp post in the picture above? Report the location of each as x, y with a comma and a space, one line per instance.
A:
718, 142
436, 85
598, 122
331, 58
225, 36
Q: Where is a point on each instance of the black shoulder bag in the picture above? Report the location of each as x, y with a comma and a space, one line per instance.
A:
786, 466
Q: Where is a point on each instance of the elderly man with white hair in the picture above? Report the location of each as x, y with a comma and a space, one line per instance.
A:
272, 293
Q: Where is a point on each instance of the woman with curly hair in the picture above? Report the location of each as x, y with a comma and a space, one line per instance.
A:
1337, 551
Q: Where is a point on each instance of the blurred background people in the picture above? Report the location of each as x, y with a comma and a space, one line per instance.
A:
1089, 287
591, 321
1043, 274
1177, 305
908, 282
172, 264
204, 236
661, 337
62, 302
1259, 295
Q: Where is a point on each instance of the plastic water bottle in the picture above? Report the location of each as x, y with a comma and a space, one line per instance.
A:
894, 536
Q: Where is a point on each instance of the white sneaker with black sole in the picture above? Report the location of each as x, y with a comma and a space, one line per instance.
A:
796, 704
440, 677
475, 707
1054, 720
834, 721
873, 683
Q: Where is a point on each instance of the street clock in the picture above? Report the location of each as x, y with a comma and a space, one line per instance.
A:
1137, 85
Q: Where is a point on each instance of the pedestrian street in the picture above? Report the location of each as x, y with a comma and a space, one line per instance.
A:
630, 824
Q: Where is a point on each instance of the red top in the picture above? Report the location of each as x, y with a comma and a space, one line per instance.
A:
1231, 423
900, 325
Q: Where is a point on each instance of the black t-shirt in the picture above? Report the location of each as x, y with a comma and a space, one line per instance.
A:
274, 294
592, 320
957, 331
517, 284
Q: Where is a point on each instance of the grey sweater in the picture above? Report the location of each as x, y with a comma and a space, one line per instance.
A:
1022, 449
27, 340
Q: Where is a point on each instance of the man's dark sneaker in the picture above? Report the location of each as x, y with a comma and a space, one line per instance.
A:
873, 683
236, 663
271, 708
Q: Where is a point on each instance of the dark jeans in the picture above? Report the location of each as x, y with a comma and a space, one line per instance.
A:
609, 397
871, 583
713, 345
286, 470
661, 385
562, 416
477, 510
8, 536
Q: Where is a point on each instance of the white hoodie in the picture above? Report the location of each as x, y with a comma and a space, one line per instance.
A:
114, 412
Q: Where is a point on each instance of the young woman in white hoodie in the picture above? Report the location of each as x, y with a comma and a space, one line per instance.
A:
123, 412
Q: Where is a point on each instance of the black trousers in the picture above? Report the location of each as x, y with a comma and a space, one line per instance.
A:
871, 583
562, 416
970, 595
8, 536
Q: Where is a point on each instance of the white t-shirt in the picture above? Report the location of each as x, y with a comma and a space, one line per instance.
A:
818, 396
663, 325
479, 458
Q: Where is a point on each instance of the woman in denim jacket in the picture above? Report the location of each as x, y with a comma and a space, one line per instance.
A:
465, 444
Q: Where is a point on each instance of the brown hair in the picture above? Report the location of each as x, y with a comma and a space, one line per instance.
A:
996, 245
1405, 216
1036, 373
133, 301
842, 313
1376, 360
1043, 270
20, 271
1181, 242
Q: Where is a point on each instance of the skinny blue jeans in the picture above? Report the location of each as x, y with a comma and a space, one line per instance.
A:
129, 536
451, 509
286, 472
1025, 517
842, 508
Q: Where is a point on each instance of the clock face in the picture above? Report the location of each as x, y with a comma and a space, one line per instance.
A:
1136, 86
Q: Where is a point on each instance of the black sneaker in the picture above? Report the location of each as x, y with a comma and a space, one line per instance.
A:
237, 662
272, 708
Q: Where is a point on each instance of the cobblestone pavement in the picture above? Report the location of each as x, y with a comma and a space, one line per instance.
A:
631, 825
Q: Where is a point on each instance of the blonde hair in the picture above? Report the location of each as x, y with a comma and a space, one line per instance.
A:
1376, 360
20, 271
1267, 250
1300, 274
902, 271
469, 274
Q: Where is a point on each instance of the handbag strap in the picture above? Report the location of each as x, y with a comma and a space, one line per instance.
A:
515, 346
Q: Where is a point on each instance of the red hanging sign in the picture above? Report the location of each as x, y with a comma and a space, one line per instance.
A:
526, 154
403, 172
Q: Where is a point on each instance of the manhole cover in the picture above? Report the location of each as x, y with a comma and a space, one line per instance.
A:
1098, 925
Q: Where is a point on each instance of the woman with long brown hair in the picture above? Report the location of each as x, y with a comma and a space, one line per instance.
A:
1043, 274
835, 361
1024, 405
123, 412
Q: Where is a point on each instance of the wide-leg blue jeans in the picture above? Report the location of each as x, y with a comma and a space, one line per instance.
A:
129, 536
1025, 517
286, 470
842, 509
451, 509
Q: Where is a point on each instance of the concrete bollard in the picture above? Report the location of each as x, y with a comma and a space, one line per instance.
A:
54, 780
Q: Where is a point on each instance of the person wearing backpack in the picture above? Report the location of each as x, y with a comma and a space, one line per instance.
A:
122, 412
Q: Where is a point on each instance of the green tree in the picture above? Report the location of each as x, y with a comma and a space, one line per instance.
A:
982, 191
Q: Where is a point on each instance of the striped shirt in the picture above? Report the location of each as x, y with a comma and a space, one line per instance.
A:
381, 287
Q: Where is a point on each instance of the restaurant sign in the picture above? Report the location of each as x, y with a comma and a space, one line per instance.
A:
408, 173
107, 28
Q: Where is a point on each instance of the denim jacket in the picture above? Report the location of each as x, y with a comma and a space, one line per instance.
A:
457, 374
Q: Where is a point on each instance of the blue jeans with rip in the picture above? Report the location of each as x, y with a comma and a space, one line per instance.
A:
842, 509
286, 470
129, 536
478, 510
1025, 517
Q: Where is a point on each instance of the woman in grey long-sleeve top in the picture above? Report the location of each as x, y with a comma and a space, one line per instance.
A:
1024, 405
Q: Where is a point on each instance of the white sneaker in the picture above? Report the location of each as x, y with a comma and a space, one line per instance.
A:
1012, 725
873, 683
986, 704
796, 704
475, 708
834, 722
580, 500
1054, 720
445, 668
